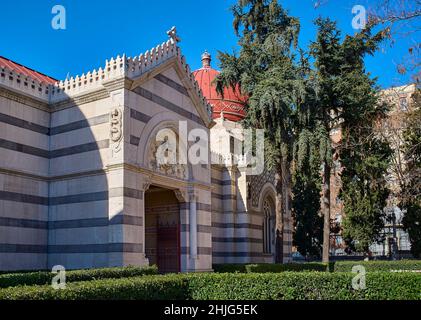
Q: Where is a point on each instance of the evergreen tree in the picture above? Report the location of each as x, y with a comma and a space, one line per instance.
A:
364, 154
265, 72
346, 97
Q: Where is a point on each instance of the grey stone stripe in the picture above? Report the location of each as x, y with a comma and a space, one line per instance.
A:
204, 207
200, 250
127, 192
172, 84
80, 124
76, 175
199, 206
221, 182
23, 124
55, 130
92, 146
237, 240
96, 248
96, 222
22, 248
126, 220
134, 140
78, 223
25, 198
18, 147
71, 224
139, 116
224, 196
23, 223
168, 105
237, 225
75, 198
79, 198
200, 228
97, 196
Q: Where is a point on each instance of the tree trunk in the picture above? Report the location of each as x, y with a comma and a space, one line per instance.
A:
325, 206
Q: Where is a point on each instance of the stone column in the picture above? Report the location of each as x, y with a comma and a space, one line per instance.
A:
144, 185
193, 225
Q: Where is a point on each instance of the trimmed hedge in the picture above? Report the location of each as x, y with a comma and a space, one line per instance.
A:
305, 286
338, 266
45, 277
270, 267
250, 286
378, 265
141, 288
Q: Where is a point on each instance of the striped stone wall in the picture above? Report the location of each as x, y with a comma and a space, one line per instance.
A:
24, 164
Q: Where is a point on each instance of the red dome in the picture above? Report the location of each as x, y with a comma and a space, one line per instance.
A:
232, 105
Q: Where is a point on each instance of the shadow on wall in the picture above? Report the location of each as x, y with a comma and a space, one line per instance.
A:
54, 195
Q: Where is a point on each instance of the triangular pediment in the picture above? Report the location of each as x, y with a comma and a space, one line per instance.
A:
175, 73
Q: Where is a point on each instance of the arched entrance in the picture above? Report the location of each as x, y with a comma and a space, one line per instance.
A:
162, 229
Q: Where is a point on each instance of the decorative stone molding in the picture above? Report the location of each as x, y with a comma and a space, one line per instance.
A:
181, 195
257, 182
24, 99
116, 132
173, 170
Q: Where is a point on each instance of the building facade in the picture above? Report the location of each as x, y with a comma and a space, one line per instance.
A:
81, 185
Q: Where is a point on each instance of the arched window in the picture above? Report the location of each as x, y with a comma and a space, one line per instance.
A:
267, 227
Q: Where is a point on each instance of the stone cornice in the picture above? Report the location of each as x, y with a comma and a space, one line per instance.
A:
24, 99
158, 178
116, 84
81, 99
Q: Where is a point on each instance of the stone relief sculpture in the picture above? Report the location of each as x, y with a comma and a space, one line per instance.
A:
116, 132
166, 167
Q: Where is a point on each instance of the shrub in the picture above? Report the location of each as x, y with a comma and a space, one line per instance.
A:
232, 286
378, 265
270, 267
45, 277
230, 268
275, 268
303, 286
140, 288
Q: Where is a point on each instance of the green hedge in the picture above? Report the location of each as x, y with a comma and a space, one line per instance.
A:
378, 265
141, 288
270, 267
304, 286
45, 277
250, 286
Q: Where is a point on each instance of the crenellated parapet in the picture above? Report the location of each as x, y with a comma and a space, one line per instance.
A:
16, 81
115, 68
139, 65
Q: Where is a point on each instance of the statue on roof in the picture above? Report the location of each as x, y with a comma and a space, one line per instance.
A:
172, 33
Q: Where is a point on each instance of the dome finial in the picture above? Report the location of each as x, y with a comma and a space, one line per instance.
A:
206, 59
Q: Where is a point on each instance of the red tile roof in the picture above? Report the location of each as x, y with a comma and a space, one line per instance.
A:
7, 63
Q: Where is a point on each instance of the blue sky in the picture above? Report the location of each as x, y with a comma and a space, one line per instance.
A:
97, 30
